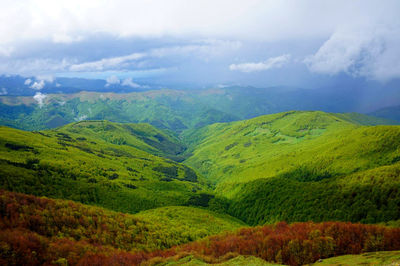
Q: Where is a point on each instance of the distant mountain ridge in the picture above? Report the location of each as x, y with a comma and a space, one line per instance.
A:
392, 113
175, 110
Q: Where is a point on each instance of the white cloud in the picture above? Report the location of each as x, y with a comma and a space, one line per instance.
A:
6, 51
34, 66
112, 80
38, 85
39, 97
46, 78
80, 118
371, 53
129, 82
28, 81
71, 20
66, 23
65, 38
204, 50
273, 62
106, 63
3, 91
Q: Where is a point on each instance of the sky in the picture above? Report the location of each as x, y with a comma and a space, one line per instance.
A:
260, 43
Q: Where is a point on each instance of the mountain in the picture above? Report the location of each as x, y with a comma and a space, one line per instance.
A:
141, 136
288, 163
15, 85
100, 163
392, 113
175, 110
165, 109
174, 190
300, 166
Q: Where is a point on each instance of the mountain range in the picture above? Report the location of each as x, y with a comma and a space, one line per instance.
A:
147, 171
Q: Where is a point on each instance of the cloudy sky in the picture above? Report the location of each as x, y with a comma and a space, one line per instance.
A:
252, 42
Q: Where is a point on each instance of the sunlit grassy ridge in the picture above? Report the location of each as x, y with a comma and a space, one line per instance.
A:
300, 166
95, 168
141, 136
305, 145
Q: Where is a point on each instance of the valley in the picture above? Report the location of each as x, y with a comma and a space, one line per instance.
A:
296, 166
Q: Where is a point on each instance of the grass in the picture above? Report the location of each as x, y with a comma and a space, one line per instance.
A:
271, 168
90, 168
300, 166
314, 142
236, 261
190, 223
372, 258
141, 136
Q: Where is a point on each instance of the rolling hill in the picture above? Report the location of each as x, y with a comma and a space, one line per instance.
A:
100, 163
296, 166
300, 166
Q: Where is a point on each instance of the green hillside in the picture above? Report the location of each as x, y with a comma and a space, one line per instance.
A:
366, 120
90, 162
303, 145
300, 166
266, 169
141, 136
371, 258
189, 223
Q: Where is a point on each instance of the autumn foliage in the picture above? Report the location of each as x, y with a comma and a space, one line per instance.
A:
37, 231
298, 243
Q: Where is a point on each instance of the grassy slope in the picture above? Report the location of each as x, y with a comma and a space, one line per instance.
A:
86, 168
271, 145
372, 258
366, 120
288, 165
190, 223
141, 136
236, 261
